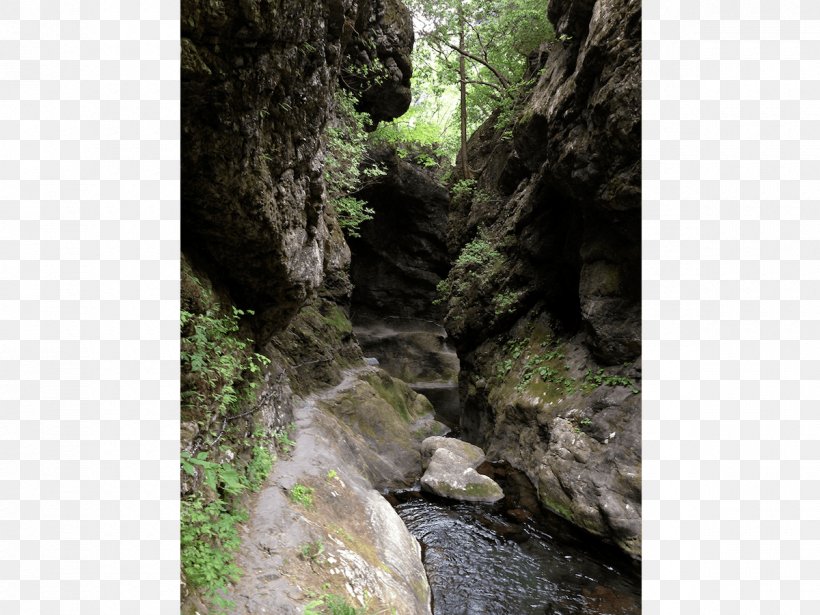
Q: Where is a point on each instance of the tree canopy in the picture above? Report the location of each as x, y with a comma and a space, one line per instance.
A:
480, 45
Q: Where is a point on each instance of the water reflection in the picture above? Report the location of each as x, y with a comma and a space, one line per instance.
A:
503, 559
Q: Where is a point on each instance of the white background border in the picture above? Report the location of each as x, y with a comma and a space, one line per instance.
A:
89, 243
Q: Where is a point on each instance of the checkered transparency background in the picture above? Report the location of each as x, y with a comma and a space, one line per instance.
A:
89, 227
731, 237
89, 244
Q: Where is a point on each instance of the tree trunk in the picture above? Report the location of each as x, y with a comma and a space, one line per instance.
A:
462, 74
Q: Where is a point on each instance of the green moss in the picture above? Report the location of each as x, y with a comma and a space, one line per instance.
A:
337, 319
480, 490
389, 391
559, 509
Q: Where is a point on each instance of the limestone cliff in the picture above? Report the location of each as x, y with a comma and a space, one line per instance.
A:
265, 283
258, 79
544, 299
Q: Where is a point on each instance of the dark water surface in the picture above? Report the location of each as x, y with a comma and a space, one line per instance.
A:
511, 558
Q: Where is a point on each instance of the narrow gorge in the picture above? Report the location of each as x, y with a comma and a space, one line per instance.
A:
417, 392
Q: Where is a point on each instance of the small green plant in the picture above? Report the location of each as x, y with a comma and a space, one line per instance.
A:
283, 439
351, 212
601, 378
331, 474
208, 541
312, 550
585, 422
478, 252
505, 302
462, 190
259, 467
220, 373
332, 604
302, 495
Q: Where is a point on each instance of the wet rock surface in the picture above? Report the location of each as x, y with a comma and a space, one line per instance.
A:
366, 552
447, 477
560, 204
451, 476
514, 558
411, 349
469, 453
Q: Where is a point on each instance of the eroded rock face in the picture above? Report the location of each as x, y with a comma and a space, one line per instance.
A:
257, 82
402, 252
560, 302
410, 349
566, 189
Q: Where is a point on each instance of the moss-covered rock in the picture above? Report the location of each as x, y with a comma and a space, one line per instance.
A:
384, 412
450, 476
472, 455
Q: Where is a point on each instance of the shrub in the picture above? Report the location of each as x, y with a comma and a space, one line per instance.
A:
346, 169
302, 495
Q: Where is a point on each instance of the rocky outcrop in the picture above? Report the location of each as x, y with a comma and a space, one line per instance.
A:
344, 539
385, 423
378, 68
413, 350
545, 307
402, 253
258, 85
257, 82
450, 476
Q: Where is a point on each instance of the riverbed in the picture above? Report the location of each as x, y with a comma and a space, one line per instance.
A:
513, 558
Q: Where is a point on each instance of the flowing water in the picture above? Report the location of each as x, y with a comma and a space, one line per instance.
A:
511, 558
507, 558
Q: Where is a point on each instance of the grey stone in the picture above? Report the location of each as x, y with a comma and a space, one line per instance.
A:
471, 455
450, 477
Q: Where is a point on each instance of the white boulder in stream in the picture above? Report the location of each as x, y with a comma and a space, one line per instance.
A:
472, 455
451, 476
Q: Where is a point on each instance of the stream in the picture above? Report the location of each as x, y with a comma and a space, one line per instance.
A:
508, 558
512, 558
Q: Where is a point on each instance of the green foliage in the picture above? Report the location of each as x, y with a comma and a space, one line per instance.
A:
351, 213
220, 375
283, 440
462, 191
312, 550
302, 495
219, 372
417, 135
346, 167
331, 474
208, 531
331, 604
478, 252
547, 367
473, 269
499, 35
601, 378
208, 541
259, 467
505, 302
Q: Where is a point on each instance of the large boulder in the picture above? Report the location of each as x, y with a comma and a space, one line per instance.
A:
472, 455
450, 476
